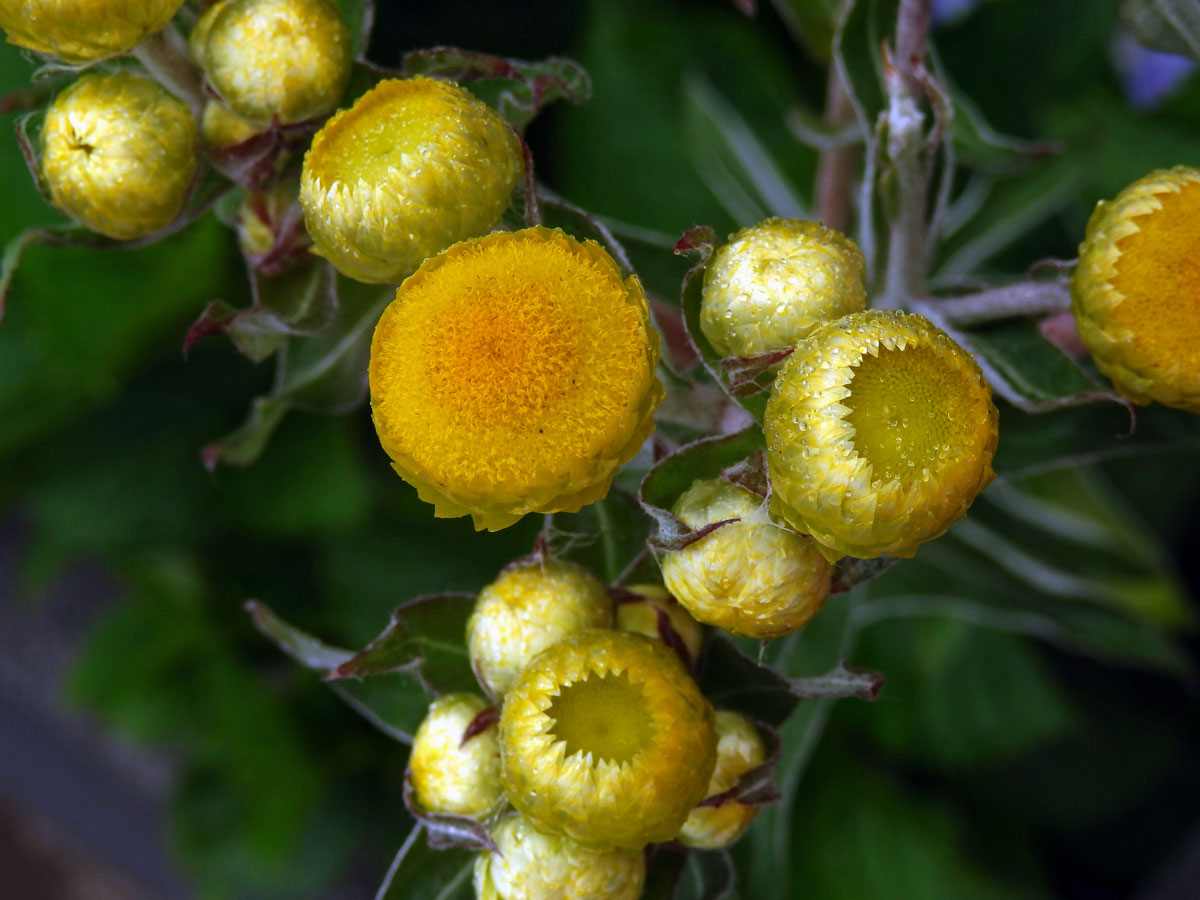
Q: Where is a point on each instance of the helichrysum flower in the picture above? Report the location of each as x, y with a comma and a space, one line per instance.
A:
220, 127
648, 608
80, 31
118, 154
454, 771
880, 432
530, 606
529, 865
739, 749
774, 283
285, 59
606, 739
411, 168
514, 374
1136, 290
752, 577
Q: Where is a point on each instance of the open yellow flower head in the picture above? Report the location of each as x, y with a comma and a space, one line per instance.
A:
606, 739
529, 865
414, 166
118, 154
880, 433
452, 772
530, 606
1136, 290
514, 374
739, 749
752, 577
646, 608
274, 58
774, 283
80, 31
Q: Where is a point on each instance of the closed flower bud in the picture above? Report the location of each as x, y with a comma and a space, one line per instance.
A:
529, 865
606, 739
221, 128
118, 154
80, 31
284, 59
454, 771
648, 609
530, 606
514, 374
774, 283
880, 432
413, 167
1134, 292
751, 577
739, 749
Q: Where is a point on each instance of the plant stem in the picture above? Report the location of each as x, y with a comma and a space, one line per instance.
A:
165, 55
1012, 301
836, 165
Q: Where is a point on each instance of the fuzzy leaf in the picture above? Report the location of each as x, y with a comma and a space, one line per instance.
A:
443, 830
1172, 26
359, 16
850, 572
842, 681
302, 647
606, 536
420, 872
811, 23
731, 680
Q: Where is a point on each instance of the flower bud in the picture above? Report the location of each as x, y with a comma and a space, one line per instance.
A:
285, 59
776, 282
648, 609
1135, 288
880, 432
221, 128
411, 168
529, 865
739, 749
606, 739
118, 154
530, 606
454, 771
751, 577
80, 31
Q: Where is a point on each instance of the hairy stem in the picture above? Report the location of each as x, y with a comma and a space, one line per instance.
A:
1026, 298
836, 166
165, 55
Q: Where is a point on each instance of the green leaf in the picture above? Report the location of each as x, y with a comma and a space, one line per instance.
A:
708, 875
862, 27
731, 680
605, 537
304, 648
421, 873
811, 24
359, 16
1172, 26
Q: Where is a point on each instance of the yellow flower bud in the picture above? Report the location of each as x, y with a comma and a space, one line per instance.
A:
739, 749
529, 865
80, 31
880, 432
453, 773
118, 154
646, 607
1134, 292
288, 59
221, 128
514, 374
411, 168
606, 739
752, 577
776, 282
530, 606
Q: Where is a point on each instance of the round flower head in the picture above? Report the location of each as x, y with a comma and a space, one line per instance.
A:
1136, 290
606, 739
530, 606
118, 154
454, 771
79, 31
751, 577
880, 432
648, 609
285, 59
739, 749
411, 168
529, 865
514, 374
774, 283
221, 128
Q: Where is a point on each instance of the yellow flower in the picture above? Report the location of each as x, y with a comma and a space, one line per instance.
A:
118, 154
1136, 290
606, 739
752, 577
774, 283
452, 773
514, 374
80, 31
646, 608
530, 606
274, 58
739, 749
220, 127
411, 168
880, 432
529, 865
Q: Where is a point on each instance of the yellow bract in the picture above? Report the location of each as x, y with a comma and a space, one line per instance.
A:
451, 773
80, 31
739, 749
880, 432
514, 374
1136, 290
